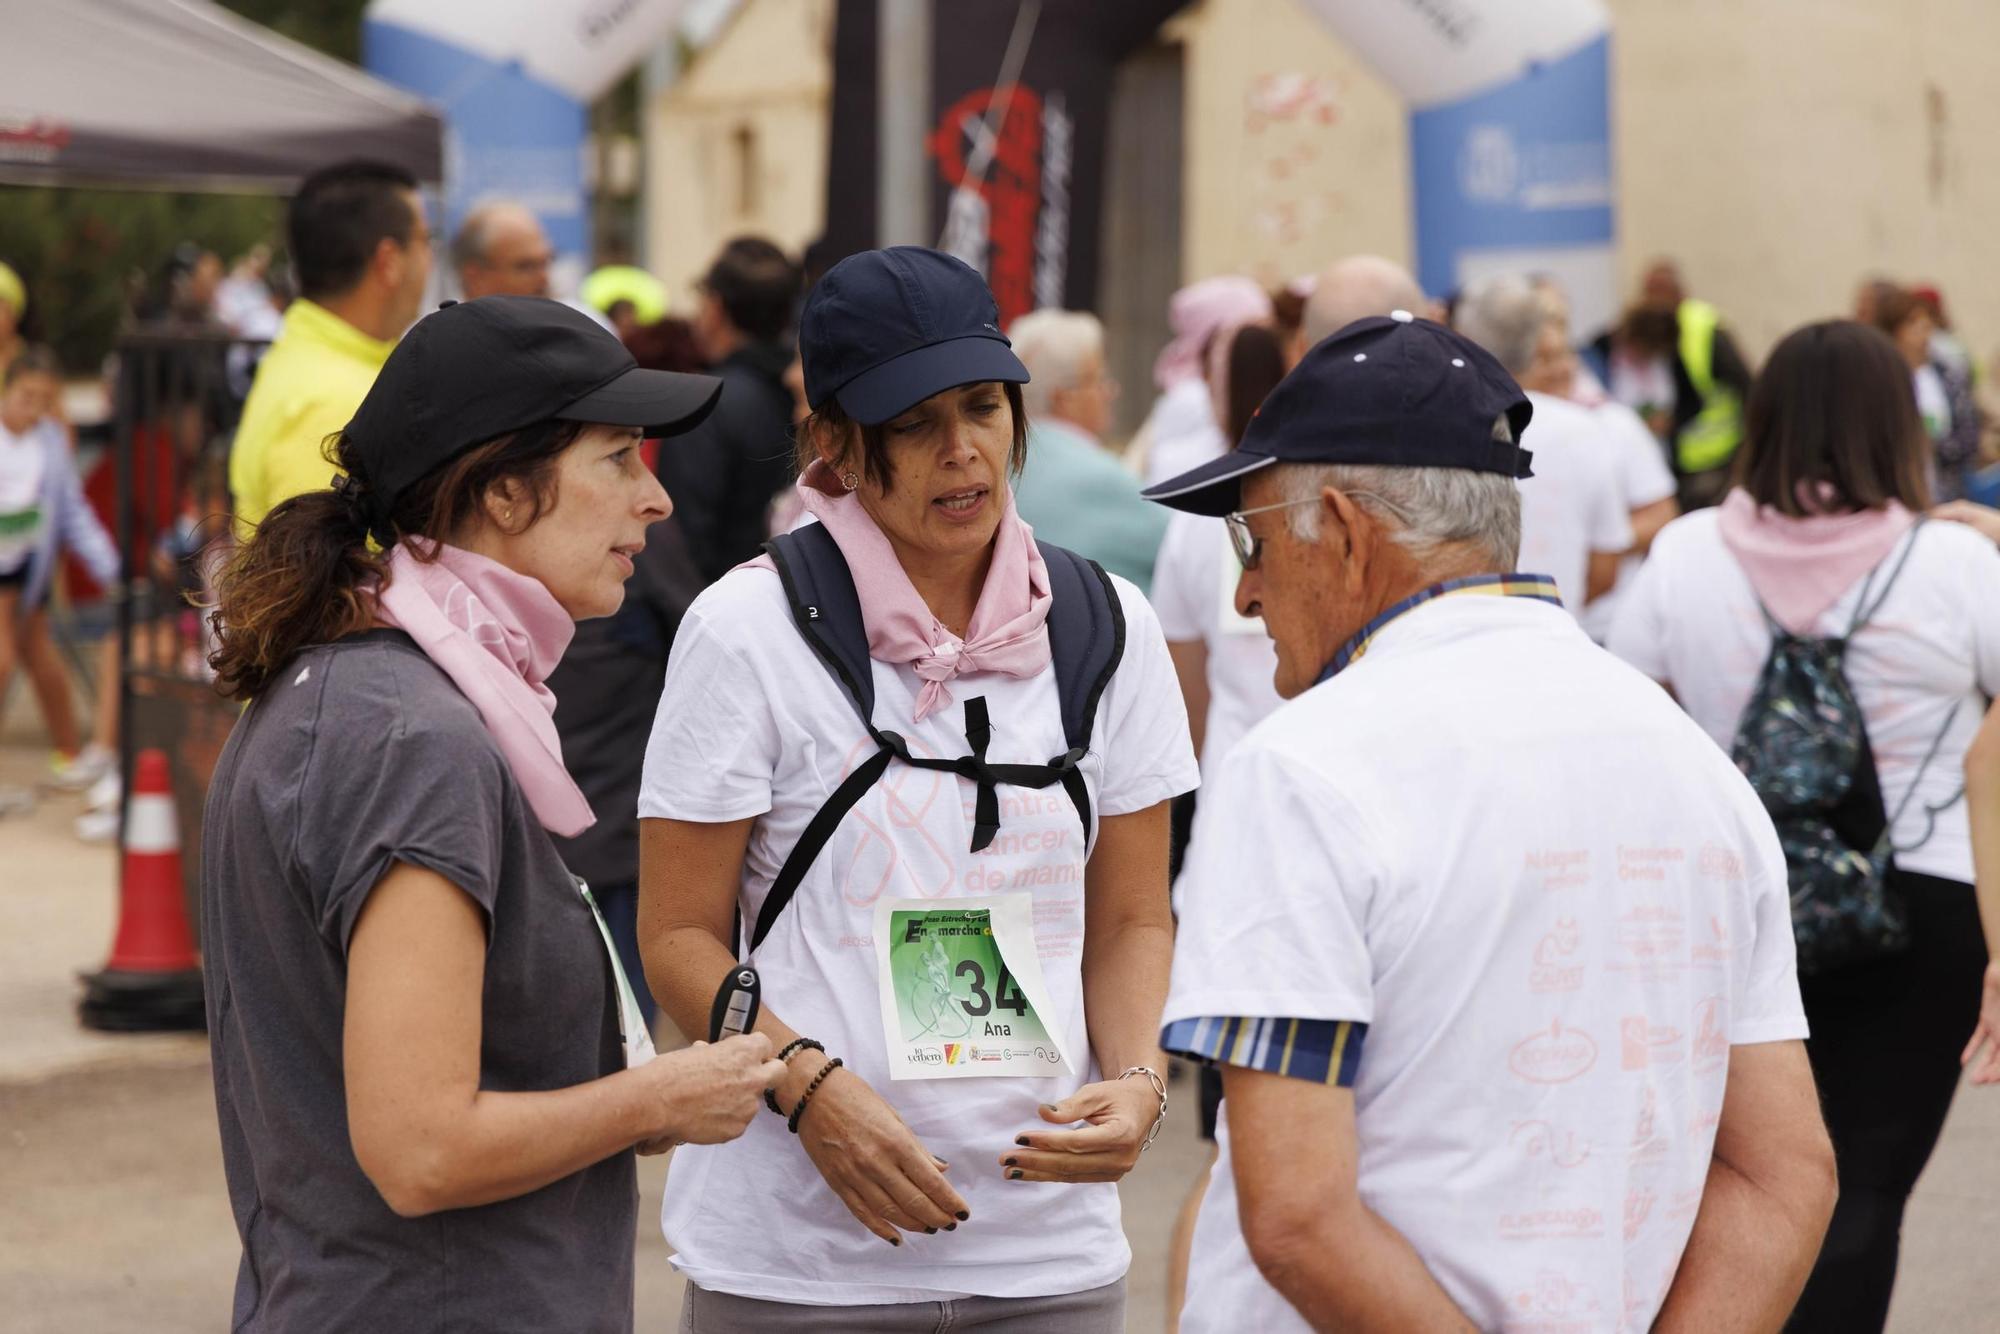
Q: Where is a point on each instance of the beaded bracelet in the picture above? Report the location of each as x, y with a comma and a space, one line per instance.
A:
795, 1045
1160, 1088
792, 1122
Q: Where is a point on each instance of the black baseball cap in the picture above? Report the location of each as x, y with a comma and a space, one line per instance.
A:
886, 329
1390, 389
472, 371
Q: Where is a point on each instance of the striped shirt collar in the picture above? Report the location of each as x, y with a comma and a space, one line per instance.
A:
1537, 586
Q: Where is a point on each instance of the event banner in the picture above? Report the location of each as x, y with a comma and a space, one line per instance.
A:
1017, 168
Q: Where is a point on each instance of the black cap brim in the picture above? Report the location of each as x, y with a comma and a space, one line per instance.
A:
658, 402
1214, 489
879, 393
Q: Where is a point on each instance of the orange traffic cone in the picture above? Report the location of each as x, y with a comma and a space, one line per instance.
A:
153, 978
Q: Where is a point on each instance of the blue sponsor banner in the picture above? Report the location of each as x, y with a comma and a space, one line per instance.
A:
507, 136
1521, 170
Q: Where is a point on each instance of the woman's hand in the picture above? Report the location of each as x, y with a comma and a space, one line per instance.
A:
1986, 1033
1979, 518
706, 1094
1121, 1113
874, 1162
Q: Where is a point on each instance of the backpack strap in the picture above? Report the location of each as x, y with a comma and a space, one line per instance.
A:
1086, 642
1864, 610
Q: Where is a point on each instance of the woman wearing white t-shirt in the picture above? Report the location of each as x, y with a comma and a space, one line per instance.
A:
1832, 480
966, 970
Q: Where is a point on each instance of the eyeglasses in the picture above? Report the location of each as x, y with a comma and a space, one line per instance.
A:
1250, 548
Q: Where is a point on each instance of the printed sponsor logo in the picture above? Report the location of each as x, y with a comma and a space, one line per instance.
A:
1559, 868
1643, 1045
1683, 1205
1720, 863
927, 1055
1712, 946
1648, 1145
1551, 1303
1638, 1208
1555, 1055
1553, 969
1711, 1041
1552, 1224
1539, 1139
1648, 863
1704, 1123
1651, 939
952, 1052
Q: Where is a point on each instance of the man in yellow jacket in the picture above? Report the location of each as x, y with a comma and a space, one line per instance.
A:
361, 251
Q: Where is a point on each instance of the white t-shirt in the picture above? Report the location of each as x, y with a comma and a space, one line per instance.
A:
752, 724
1692, 621
1555, 906
1194, 592
1181, 432
1933, 403
23, 461
1575, 502
1645, 479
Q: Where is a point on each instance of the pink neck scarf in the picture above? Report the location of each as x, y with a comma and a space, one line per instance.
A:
1009, 631
1799, 567
497, 635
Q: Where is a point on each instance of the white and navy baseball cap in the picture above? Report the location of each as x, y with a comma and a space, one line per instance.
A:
885, 329
1390, 389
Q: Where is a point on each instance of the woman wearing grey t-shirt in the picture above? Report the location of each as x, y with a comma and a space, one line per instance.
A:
430, 1074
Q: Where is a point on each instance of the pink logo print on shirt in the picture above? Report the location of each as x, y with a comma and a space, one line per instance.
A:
1638, 1207
1643, 1045
1555, 1055
1554, 969
880, 855
1551, 1303
1711, 945
1711, 1038
1539, 1139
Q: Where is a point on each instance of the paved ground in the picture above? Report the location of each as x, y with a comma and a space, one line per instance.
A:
113, 1216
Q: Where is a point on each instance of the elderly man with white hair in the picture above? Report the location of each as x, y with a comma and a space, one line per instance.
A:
1575, 524
1492, 944
1074, 491
501, 250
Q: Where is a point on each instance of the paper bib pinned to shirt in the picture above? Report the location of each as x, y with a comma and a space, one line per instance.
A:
961, 989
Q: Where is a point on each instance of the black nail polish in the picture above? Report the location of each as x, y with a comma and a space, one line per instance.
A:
931, 1230
1014, 1175
951, 1227
1006, 1162
964, 1217
895, 1241
1021, 1140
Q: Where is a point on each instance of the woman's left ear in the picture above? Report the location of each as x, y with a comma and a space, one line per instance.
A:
503, 499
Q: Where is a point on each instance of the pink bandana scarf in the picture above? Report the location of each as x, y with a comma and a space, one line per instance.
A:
497, 635
1009, 630
1799, 567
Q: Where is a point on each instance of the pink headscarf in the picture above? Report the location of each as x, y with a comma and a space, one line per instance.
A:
1196, 313
497, 635
1799, 567
1009, 630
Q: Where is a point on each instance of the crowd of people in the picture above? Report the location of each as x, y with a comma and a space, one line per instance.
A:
1540, 787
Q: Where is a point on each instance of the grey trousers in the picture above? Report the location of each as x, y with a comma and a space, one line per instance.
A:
1098, 1311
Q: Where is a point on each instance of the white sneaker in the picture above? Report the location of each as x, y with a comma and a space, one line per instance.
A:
104, 793
97, 826
91, 763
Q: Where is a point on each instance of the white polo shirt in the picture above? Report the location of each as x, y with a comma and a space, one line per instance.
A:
1575, 502
1554, 905
1643, 479
751, 724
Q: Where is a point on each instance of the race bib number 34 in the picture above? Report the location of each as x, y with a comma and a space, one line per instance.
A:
961, 989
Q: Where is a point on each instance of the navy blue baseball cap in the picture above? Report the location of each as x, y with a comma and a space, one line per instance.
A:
1392, 390
886, 329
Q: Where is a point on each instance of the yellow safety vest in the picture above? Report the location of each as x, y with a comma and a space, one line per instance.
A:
1707, 442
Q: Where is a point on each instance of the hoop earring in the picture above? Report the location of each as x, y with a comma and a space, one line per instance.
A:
849, 480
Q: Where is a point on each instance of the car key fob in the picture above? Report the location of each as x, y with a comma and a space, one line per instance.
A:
735, 1008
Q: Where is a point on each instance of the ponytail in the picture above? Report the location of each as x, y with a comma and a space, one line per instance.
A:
309, 573
298, 580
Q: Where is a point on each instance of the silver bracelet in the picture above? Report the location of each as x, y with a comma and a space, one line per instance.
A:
1159, 1088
